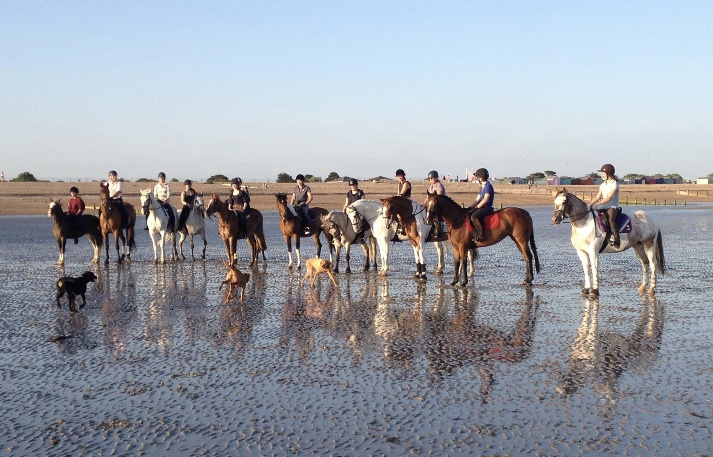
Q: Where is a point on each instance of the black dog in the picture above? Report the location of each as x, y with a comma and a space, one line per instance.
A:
73, 287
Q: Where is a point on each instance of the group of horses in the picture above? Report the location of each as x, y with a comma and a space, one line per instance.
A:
370, 223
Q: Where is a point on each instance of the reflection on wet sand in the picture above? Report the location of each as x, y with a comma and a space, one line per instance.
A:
238, 320
460, 340
599, 358
119, 307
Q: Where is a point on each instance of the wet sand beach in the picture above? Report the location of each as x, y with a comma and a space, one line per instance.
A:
157, 364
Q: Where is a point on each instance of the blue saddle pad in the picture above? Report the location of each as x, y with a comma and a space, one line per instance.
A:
623, 222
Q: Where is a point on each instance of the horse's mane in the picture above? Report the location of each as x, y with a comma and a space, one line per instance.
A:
448, 200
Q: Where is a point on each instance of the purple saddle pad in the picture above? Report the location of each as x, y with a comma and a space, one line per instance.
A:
623, 222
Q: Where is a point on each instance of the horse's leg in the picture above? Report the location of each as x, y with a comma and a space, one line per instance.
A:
365, 248
288, 241
61, 245
253, 248
106, 246
162, 241
471, 262
348, 256
233, 250
119, 235
205, 242
384, 252
420, 266
372, 252
524, 247
457, 251
317, 242
335, 263
645, 255
297, 250
439, 252
153, 245
584, 258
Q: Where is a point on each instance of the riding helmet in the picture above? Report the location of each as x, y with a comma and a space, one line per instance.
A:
73, 189
300, 177
433, 174
400, 172
235, 181
353, 182
608, 169
162, 175
187, 182
482, 173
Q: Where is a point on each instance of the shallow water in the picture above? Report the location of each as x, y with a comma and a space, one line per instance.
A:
156, 364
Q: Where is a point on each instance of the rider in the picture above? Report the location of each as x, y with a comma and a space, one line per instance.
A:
239, 199
353, 195
76, 206
404, 188
608, 199
162, 192
115, 194
483, 204
187, 197
436, 187
301, 198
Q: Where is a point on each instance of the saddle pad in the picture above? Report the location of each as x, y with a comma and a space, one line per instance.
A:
622, 222
491, 221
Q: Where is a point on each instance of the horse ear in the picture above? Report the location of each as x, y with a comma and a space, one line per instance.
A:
564, 190
383, 200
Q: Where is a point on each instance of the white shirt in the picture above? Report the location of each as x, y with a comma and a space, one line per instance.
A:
610, 187
162, 191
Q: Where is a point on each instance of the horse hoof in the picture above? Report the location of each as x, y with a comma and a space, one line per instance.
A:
594, 293
584, 291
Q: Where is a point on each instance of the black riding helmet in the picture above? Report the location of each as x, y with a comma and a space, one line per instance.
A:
433, 174
482, 173
237, 181
162, 175
353, 182
608, 169
400, 172
73, 189
187, 182
301, 177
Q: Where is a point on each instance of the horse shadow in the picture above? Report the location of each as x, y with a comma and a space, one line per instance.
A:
599, 358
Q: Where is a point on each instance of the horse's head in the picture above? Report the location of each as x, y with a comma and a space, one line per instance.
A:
331, 224
433, 209
561, 205
146, 200
213, 204
104, 200
199, 204
281, 200
55, 208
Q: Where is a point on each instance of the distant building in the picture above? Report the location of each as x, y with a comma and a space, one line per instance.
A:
706, 180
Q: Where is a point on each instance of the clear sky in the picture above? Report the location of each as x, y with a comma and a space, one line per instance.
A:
255, 88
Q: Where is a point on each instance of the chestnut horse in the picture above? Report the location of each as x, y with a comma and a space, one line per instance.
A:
292, 227
110, 221
230, 230
515, 223
69, 226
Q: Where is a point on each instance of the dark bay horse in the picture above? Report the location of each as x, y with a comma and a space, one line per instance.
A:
292, 227
230, 230
69, 226
515, 223
110, 221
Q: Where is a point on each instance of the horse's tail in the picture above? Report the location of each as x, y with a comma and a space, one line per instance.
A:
534, 251
130, 239
260, 241
660, 260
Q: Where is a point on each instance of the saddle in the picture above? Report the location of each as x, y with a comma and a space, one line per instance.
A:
623, 223
488, 222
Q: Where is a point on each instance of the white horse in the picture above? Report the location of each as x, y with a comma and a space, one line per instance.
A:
158, 225
338, 225
195, 225
588, 239
384, 231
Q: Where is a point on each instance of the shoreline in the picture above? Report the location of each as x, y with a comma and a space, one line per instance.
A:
32, 198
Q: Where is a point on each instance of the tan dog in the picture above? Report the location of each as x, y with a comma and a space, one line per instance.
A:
316, 266
234, 279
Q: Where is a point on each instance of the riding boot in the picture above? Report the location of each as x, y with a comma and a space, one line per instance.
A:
147, 222
477, 229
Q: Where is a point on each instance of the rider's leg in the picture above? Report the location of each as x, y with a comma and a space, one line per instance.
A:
611, 215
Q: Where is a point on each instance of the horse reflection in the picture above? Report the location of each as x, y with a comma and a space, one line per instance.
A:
301, 315
599, 359
162, 307
458, 340
118, 309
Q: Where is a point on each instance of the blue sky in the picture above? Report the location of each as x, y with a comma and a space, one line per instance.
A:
252, 89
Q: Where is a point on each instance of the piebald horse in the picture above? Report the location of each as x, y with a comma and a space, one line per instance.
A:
158, 222
589, 241
230, 230
292, 227
515, 223
110, 221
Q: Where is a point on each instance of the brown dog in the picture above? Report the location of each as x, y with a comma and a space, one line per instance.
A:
316, 266
74, 287
234, 279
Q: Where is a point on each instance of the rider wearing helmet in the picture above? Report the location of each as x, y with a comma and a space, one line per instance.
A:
301, 198
436, 186
116, 194
483, 204
608, 199
404, 189
75, 207
162, 192
239, 201
187, 197
353, 195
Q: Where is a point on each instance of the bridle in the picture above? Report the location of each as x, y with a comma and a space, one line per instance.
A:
562, 214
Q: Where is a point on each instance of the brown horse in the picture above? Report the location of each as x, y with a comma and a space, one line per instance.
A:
68, 226
110, 221
515, 223
230, 230
292, 227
